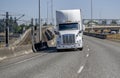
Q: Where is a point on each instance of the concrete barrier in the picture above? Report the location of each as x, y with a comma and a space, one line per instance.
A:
8, 52
48, 39
101, 36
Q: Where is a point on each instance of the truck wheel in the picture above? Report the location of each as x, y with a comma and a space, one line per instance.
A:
80, 49
58, 50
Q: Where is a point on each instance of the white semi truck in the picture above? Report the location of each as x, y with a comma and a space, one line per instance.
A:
69, 29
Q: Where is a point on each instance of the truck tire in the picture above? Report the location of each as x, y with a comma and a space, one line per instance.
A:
80, 48
59, 50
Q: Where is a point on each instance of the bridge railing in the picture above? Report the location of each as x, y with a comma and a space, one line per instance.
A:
101, 36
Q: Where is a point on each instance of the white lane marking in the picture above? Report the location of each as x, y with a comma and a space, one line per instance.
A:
88, 49
80, 70
26, 52
87, 45
87, 55
13, 48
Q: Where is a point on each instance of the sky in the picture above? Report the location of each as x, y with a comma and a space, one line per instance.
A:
101, 8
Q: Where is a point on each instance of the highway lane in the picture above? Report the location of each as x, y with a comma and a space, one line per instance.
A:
103, 60
99, 59
46, 64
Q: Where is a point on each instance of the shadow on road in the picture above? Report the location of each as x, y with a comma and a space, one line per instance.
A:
53, 50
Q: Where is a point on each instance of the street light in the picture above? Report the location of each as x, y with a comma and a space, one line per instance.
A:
52, 12
47, 12
40, 23
92, 14
91, 10
52, 18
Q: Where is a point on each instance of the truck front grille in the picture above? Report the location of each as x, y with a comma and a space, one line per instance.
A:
68, 39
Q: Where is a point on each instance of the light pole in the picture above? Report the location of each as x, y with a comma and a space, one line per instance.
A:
40, 37
91, 15
52, 12
47, 12
7, 30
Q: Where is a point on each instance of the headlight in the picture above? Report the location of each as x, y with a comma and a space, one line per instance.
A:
77, 35
58, 42
59, 36
78, 41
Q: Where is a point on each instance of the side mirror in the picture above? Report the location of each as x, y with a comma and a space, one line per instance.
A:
56, 32
80, 31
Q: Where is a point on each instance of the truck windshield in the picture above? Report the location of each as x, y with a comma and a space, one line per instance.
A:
68, 26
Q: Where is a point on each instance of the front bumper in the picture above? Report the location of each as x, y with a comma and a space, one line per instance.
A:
69, 46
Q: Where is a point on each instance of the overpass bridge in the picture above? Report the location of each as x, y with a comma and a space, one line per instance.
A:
102, 21
102, 28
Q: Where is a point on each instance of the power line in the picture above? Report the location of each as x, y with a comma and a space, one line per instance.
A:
12, 13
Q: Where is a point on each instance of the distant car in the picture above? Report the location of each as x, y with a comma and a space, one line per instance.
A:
113, 32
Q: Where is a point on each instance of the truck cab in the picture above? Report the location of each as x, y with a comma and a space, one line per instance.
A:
69, 28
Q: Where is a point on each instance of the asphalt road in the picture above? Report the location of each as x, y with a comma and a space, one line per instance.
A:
103, 60
99, 59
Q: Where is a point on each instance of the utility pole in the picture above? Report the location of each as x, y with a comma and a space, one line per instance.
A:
52, 12
32, 33
47, 12
35, 28
92, 14
91, 10
32, 28
40, 32
7, 30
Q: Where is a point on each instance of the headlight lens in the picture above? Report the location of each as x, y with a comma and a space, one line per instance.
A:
78, 41
59, 36
58, 42
77, 35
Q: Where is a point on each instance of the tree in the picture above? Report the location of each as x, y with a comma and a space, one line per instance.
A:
15, 25
11, 23
113, 22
